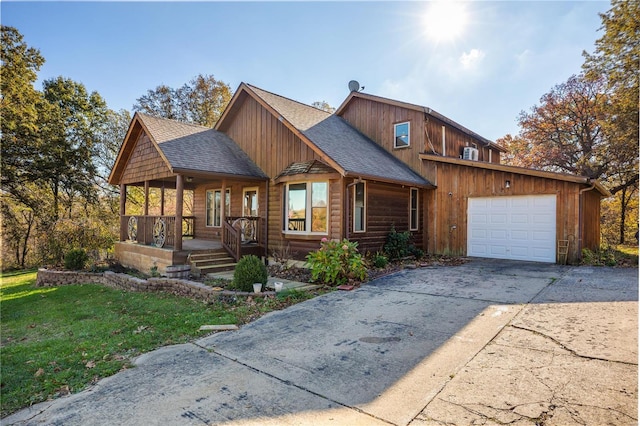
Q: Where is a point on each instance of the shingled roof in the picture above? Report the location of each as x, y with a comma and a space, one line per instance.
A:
190, 147
352, 151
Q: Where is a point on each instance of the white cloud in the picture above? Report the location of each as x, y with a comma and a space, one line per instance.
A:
472, 58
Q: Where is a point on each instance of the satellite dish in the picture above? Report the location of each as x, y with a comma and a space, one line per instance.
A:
354, 86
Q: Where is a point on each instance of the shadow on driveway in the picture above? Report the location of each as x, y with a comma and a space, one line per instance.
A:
379, 354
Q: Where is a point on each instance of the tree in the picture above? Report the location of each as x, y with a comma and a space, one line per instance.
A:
615, 59
19, 106
324, 105
201, 101
205, 99
69, 139
564, 133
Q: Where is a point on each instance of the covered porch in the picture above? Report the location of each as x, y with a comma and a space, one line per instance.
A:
185, 189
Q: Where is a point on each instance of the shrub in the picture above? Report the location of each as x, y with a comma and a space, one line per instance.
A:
380, 260
249, 270
398, 244
75, 259
602, 257
336, 262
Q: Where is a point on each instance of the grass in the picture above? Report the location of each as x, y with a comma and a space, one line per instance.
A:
59, 340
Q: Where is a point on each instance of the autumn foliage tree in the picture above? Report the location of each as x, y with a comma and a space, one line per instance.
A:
588, 125
201, 101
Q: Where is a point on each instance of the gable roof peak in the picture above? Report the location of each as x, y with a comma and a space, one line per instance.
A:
302, 104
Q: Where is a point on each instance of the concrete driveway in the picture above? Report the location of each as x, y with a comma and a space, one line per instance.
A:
487, 342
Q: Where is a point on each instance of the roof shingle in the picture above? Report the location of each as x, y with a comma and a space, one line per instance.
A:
198, 148
354, 152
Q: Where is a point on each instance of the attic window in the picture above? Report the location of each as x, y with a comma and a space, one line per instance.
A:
401, 135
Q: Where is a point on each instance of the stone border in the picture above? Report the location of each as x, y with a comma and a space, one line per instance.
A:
180, 287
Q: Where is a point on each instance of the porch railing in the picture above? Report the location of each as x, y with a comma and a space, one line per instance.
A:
239, 231
140, 229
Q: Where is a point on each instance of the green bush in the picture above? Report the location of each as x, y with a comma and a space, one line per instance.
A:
249, 270
398, 244
337, 262
380, 260
75, 259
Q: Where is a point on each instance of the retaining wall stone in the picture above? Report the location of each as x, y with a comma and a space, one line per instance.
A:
180, 287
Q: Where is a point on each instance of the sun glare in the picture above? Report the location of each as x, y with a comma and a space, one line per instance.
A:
445, 21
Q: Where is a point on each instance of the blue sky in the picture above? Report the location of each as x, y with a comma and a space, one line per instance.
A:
492, 61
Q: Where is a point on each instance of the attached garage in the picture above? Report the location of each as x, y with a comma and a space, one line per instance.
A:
518, 227
483, 209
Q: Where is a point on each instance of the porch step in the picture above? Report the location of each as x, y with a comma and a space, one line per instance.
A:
211, 261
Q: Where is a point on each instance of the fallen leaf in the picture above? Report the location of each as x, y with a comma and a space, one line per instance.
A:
40, 372
90, 364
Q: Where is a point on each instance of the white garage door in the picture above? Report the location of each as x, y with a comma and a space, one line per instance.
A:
520, 228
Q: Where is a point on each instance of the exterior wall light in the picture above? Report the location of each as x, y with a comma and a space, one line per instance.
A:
507, 184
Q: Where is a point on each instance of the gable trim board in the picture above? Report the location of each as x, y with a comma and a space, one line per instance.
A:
512, 227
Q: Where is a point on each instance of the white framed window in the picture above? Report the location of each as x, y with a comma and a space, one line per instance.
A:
413, 209
306, 207
214, 206
401, 135
359, 207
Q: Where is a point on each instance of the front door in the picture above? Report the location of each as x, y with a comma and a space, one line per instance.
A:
250, 202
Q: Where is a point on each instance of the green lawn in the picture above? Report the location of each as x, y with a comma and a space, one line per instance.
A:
57, 340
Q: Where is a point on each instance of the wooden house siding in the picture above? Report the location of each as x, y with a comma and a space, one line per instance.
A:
145, 163
387, 207
266, 140
273, 147
447, 205
376, 120
590, 220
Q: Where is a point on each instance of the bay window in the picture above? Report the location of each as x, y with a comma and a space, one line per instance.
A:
306, 207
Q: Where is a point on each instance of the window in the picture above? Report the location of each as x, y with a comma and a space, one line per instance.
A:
413, 210
306, 207
214, 206
401, 135
250, 202
359, 207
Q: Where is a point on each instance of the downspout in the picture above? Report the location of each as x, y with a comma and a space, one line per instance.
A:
581, 212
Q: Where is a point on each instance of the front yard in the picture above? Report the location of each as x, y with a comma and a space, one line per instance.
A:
58, 340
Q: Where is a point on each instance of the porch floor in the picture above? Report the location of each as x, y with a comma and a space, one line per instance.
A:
195, 244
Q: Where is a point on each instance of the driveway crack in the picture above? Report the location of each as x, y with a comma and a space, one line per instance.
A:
568, 349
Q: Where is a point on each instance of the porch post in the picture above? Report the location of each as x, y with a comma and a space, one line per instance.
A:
123, 210
146, 198
177, 246
162, 201
223, 208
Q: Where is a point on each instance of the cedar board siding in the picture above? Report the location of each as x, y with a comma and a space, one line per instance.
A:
591, 220
376, 120
387, 206
455, 183
273, 147
145, 163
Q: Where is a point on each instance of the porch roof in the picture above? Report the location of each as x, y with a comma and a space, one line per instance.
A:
190, 147
186, 148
